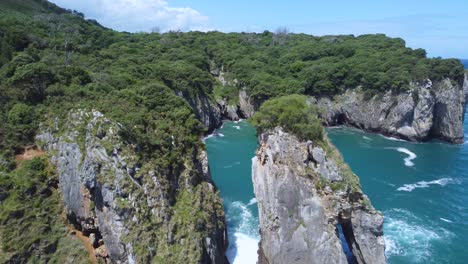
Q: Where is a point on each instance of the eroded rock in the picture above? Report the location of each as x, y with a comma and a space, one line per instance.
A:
301, 202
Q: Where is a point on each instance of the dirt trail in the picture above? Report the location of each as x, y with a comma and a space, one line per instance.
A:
29, 153
86, 243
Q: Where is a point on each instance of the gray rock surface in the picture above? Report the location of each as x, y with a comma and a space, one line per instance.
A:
207, 111
246, 104
428, 110
230, 112
303, 192
108, 192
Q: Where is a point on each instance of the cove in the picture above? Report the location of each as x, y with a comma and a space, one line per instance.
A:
422, 189
230, 150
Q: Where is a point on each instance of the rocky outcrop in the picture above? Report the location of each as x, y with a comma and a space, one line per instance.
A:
207, 111
133, 209
304, 192
229, 111
428, 110
247, 104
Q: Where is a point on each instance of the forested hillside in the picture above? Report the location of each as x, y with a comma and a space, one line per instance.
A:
53, 60
56, 60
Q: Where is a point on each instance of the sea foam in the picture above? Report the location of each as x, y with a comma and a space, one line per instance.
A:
427, 184
245, 251
244, 236
411, 156
406, 235
252, 201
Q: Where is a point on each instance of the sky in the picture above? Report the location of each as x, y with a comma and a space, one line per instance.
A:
440, 27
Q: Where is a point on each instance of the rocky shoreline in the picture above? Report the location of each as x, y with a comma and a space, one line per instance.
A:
101, 206
426, 111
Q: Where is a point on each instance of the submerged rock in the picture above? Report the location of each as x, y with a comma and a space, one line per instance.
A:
303, 192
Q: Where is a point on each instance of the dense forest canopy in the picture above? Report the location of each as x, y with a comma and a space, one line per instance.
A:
52, 60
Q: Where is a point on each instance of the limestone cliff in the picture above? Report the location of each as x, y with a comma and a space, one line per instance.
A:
205, 110
134, 210
428, 110
304, 191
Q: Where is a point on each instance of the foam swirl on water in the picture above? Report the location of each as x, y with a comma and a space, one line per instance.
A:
427, 184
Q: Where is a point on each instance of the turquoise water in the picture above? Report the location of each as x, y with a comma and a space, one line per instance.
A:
230, 150
422, 188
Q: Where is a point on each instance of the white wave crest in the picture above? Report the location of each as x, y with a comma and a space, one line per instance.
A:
237, 127
219, 134
367, 138
446, 220
207, 137
408, 236
411, 156
245, 251
244, 236
252, 201
427, 184
393, 139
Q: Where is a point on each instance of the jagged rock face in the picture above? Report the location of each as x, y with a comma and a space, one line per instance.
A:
229, 112
205, 110
429, 110
302, 193
108, 192
247, 104
425, 111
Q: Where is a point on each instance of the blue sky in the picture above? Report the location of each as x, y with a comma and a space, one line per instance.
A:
440, 27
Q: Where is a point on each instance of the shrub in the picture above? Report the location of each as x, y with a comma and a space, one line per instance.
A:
293, 113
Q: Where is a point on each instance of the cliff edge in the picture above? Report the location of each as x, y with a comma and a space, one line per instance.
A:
306, 194
430, 110
134, 208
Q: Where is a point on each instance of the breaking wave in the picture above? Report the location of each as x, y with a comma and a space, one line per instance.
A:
244, 236
406, 235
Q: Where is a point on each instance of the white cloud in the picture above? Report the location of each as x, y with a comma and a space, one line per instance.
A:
139, 15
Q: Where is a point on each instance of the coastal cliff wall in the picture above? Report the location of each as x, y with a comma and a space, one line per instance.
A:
425, 111
304, 192
134, 210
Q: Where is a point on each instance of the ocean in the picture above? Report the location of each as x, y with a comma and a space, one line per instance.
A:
465, 62
422, 189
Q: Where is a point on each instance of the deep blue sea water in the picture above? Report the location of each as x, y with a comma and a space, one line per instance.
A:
465, 62
422, 189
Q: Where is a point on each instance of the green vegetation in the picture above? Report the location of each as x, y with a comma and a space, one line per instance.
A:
30, 228
53, 60
293, 113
